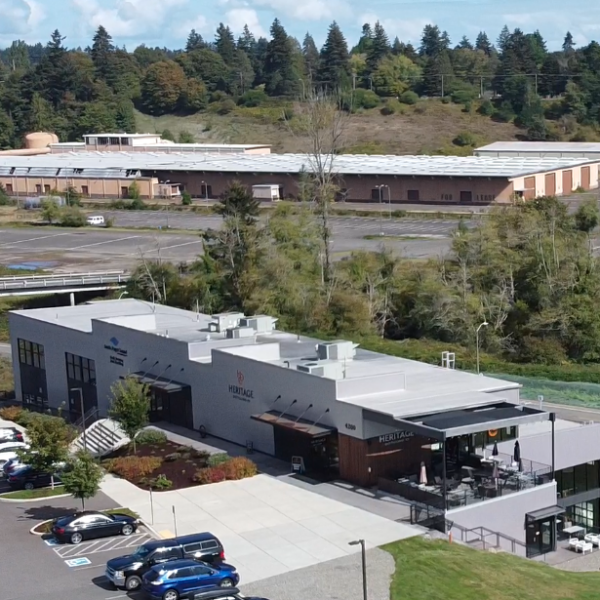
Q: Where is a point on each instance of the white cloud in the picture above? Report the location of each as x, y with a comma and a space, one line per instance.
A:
308, 10
19, 16
236, 18
127, 18
407, 30
200, 24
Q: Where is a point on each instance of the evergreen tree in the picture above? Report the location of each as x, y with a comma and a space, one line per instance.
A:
311, 57
53, 75
445, 40
397, 47
503, 39
568, 45
483, 43
281, 78
194, 42
431, 41
125, 116
334, 68
259, 60
437, 75
225, 44
380, 47
103, 53
365, 40
247, 42
465, 44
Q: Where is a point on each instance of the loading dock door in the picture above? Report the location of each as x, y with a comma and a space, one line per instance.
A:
585, 178
529, 192
567, 182
550, 184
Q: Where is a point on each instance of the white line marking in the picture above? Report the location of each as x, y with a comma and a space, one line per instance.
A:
34, 239
114, 597
179, 245
92, 567
105, 242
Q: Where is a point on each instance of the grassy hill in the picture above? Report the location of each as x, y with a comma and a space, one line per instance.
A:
425, 128
437, 570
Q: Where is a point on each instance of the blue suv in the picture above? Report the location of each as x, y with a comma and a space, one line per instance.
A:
181, 578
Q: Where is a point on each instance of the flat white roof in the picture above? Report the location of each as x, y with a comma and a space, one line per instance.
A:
541, 147
426, 388
440, 166
127, 135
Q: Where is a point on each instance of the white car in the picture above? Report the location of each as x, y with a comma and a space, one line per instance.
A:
8, 451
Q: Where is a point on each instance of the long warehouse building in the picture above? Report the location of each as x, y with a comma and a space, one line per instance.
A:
368, 178
589, 150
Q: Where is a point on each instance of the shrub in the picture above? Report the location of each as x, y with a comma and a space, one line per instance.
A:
148, 437
463, 95
200, 454
109, 222
11, 413
225, 106
446, 100
161, 482
465, 138
252, 98
186, 198
172, 457
133, 468
486, 108
391, 107
209, 475
408, 97
215, 460
71, 216
239, 467
24, 419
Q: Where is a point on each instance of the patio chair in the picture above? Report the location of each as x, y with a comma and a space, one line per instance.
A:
584, 547
573, 543
593, 539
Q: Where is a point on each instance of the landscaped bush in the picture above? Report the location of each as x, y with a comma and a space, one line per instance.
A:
209, 475
172, 457
200, 454
162, 482
11, 413
225, 106
239, 467
252, 98
147, 437
408, 97
464, 138
215, 460
133, 468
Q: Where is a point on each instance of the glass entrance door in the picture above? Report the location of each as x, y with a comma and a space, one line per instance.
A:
541, 536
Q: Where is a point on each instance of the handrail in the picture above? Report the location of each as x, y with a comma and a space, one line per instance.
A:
81, 422
60, 275
483, 533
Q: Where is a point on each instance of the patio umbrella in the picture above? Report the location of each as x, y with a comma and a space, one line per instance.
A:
495, 450
423, 474
520, 465
495, 474
517, 452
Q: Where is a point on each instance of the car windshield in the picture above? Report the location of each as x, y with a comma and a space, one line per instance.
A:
141, 551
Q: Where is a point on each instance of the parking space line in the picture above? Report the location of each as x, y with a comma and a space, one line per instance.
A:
179, 245
115, 241
35, 239
103, 545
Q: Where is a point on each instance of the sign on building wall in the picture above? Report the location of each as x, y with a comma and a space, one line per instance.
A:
239, 392
113, 346
395, 437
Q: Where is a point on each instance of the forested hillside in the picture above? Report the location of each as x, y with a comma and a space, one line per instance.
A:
548, 95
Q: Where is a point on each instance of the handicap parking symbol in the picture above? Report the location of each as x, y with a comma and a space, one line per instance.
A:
51, 542
78, 562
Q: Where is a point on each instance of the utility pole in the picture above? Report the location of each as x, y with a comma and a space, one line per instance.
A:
481, 88
442, 76
353, 81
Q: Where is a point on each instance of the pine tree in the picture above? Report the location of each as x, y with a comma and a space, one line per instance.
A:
225, 44
334, 68
53, 75
431, 41
125, 116
380, 47
103, 54
311, 57
568, 45
465, 44
247, 42
437, 75
365, 40
281, 78
483, 43
503, 39
397, 47
194, 41
445, 40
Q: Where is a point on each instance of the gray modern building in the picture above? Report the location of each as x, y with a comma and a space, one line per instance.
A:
443, 439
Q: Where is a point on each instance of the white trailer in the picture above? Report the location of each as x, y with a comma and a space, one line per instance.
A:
267, 191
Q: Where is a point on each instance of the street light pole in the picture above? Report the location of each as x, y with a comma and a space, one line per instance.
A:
364, 564
80, 390
484, 324
380, 194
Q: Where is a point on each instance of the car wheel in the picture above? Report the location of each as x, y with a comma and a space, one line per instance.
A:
226, 583
76, 538
28, 486
170, 595
127, 529
132, 583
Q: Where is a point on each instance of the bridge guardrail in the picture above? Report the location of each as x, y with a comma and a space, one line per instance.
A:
41, 281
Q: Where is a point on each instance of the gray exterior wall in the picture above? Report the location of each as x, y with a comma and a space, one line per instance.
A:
505, 514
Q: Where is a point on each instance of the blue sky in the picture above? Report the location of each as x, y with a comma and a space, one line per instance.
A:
167, 22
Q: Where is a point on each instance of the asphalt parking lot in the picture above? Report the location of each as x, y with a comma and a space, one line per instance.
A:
30, 567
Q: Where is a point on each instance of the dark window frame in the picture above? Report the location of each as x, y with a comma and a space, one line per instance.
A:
31, 354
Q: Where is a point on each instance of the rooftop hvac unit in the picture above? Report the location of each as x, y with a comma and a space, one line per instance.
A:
324, 368
336, 350
224, 321
235, 333
260, 323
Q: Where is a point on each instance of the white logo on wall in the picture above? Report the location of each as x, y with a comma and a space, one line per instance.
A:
239, 392
396, 436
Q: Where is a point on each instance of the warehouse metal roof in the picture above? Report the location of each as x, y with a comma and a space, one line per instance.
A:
345, 164
66, 173
540, 147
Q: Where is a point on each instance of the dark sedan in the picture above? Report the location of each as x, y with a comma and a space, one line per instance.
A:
26, 478
91, 524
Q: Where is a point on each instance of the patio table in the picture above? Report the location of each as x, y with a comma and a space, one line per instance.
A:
574, 530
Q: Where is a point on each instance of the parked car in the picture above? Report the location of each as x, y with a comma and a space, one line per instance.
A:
8, 451
26, 478
219, 593
127, 571
10, 434
14, 464
179, 578
95, 220
92, 524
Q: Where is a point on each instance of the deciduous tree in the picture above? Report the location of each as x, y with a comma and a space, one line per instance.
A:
130, 406
82, 476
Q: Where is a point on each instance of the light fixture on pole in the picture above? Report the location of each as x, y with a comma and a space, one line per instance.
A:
484, 324
364, 564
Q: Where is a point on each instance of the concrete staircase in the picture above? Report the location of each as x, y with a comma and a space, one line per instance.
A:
101, 437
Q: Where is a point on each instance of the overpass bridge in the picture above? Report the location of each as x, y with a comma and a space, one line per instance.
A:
67, 283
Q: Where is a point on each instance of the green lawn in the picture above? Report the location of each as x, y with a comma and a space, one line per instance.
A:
437, 570
36, 493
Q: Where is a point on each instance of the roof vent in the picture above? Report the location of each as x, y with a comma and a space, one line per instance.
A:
323, 368
224, 321
260, 323
336, 350
235, 333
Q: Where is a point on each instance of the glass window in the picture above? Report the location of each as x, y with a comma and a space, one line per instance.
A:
580, 472
567, 483
593, 481
190, 548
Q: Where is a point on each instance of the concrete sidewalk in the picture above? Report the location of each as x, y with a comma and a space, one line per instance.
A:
267, 526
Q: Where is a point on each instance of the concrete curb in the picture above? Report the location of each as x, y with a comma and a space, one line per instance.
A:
33, 499
151, 529
32, 532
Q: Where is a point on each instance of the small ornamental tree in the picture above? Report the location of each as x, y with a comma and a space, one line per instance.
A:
50, 210
130, 406
82, 477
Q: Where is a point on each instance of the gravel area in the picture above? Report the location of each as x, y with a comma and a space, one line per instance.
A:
332, 580
588, 562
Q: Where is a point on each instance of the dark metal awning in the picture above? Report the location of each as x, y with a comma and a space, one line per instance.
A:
162, 383
544, 513
308, 428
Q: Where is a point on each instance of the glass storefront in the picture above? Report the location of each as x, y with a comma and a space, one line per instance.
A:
584, 514
540, 536
579, 479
